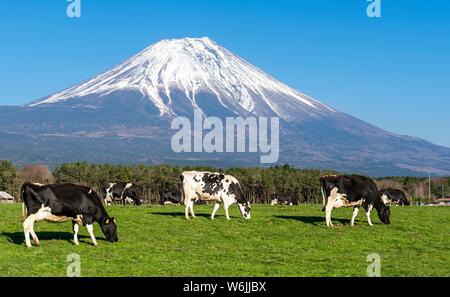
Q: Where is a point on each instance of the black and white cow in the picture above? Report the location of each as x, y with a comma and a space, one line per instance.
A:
394, 196
65, 202
121, 192
213, 186
352, 191
171, 197
279, 199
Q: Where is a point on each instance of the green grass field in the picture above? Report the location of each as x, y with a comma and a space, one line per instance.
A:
277, 241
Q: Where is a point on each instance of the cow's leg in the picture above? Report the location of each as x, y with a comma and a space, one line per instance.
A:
355, 213
329, 207
27, 225
368, 210
34, 236
216, 208
186, 210
75, 228
90, 230
226, 206
191, 208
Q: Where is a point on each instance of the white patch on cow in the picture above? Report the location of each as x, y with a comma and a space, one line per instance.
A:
129, 185
90, 191
386, 200
90, 230
355, 213
274, 202
75, 228
369, 209
128, 200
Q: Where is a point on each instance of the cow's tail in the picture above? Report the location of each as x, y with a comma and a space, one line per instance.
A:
324, 198
22, 197
182, 188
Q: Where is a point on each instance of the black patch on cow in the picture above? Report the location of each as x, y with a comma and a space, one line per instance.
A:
235, 189
213, 183
197, 180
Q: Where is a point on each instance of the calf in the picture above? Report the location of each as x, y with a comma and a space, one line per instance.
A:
394, 196
352, 191
212, 186
64, 202
125, 193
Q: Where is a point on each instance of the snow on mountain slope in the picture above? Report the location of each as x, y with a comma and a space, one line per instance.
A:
193, 66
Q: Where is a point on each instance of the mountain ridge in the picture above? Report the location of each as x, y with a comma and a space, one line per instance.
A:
136, 100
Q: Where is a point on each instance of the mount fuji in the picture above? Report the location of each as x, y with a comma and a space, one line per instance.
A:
124, 116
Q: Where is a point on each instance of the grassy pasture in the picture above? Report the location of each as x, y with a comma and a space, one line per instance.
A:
277, 241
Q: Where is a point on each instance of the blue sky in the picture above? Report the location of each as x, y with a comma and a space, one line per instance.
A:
393, 72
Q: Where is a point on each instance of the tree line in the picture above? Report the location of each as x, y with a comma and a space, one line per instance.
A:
258, 184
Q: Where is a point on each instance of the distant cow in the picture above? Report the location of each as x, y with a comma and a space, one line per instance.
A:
171, 197
278, 199
352, 191
213, 186
65, 202
121, 192
394, 196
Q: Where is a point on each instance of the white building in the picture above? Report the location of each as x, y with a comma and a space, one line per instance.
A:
6, 198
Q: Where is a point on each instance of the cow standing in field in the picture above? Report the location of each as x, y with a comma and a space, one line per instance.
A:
64, 202
213, 186
352, 191
394, 196
124, 193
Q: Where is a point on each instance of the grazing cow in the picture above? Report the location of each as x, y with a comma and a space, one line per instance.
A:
172, 197
124, 193
64, 202
352, 191
213, 186
283, 199
394, 196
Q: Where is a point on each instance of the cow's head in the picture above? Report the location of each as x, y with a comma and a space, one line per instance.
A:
384, 213
109, 228
244, 205
245, 210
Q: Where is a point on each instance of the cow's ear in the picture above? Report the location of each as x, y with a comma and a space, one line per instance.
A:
107, 221
114, 220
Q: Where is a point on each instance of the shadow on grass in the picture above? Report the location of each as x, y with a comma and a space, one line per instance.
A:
19, 237
313, 220
181, 215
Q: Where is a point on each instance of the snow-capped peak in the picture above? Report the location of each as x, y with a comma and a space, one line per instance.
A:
193, 65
